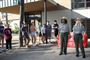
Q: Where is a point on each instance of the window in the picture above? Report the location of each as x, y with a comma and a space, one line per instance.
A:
0, 4
15, 2
4, 3
80, 4
87, 0
79, 0
9, 2
32, 0
87, 3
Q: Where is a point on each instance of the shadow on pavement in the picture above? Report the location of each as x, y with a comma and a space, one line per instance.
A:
41, 47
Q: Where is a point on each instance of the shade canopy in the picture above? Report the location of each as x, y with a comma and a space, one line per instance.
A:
34, 7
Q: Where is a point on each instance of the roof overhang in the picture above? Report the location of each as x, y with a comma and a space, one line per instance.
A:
37, 6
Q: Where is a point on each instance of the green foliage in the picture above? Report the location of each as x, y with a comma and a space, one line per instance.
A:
16, 30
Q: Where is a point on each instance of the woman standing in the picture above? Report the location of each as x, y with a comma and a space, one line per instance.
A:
40, 33
25, 35
8, 37
43, 33
78, 30
64, 32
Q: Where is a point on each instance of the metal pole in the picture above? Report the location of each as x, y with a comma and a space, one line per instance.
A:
45, 15
7, 19
21, 20
45, 10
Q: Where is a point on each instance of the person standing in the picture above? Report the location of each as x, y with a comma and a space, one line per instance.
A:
40, 33
55, 27
1, 34
43, 33
48, 29
78, 29
8, 37
64, 32
25, 35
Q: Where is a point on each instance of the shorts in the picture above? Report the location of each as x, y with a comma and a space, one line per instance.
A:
40, 34
33, 34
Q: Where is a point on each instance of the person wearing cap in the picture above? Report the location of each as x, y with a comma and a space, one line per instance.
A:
64, 32
25, 35
55, 27
78, 30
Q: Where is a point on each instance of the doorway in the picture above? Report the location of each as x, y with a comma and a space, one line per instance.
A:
37, 19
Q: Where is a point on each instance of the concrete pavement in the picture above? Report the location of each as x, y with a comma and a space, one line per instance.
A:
42, 52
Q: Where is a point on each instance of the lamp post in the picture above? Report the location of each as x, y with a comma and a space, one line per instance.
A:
21, 21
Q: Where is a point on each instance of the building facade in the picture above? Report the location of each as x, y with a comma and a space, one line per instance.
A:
74, 9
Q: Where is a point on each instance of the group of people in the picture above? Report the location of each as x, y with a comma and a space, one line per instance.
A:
45, 32
78, 31
64, 30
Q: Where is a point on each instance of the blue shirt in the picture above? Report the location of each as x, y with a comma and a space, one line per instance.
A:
78, 29
63, 28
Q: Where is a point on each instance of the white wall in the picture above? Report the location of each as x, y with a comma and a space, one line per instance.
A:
64, 3
57, 15
82, 13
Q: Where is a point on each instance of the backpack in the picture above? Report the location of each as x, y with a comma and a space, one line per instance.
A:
7, 32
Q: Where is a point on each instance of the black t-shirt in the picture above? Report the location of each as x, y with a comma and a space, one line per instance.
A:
55, 26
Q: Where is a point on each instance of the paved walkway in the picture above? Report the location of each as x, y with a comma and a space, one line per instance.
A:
42, 52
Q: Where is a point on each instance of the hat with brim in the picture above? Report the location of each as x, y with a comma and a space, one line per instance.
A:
77, 19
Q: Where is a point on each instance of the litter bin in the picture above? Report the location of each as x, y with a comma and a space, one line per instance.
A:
59, 41
71, 42
85, 41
